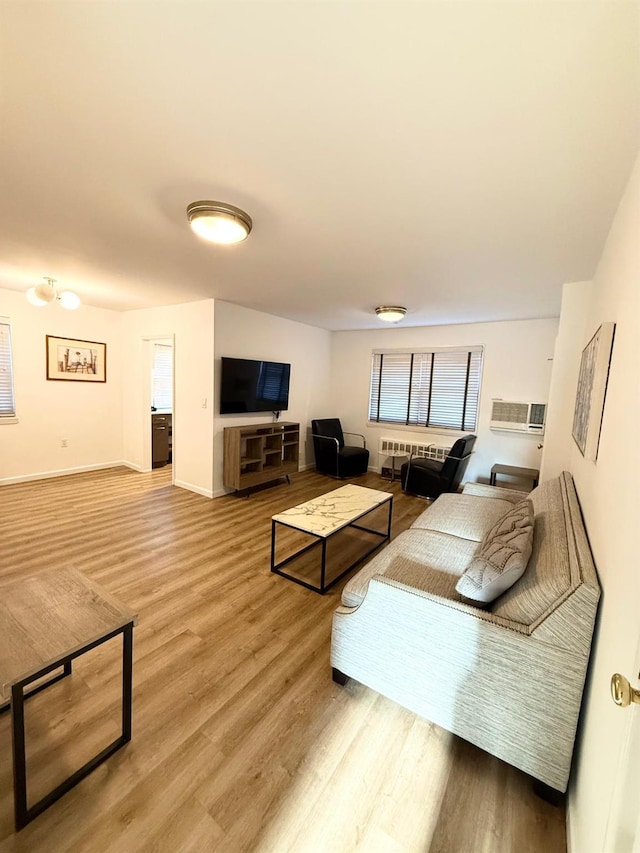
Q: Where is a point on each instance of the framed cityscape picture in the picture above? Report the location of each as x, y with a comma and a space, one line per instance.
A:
69, 359
592, 389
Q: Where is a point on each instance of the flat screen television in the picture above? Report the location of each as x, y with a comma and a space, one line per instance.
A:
253, 386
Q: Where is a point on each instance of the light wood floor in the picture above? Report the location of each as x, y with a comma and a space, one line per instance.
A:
241, 741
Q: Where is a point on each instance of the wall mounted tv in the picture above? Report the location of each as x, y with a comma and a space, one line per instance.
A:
253, 386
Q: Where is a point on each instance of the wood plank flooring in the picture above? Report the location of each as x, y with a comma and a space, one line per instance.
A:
241, 741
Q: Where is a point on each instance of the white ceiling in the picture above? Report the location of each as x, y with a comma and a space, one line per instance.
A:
462, 159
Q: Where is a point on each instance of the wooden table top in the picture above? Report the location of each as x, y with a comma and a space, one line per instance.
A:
515, 471
47, 616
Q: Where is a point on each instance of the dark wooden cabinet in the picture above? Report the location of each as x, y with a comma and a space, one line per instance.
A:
161, 440
259, 453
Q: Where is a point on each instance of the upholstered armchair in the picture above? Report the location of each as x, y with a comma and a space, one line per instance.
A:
333, 456
430, 478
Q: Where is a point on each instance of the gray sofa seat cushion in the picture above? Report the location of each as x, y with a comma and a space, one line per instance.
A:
427, 560
547, 579
463, 515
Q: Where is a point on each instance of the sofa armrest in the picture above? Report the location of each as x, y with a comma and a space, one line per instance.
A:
509, 693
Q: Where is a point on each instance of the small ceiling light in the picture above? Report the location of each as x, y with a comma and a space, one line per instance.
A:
391, 313
69, 300
45, 294
219, 222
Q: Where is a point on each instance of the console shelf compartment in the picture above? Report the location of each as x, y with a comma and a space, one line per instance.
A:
259, 453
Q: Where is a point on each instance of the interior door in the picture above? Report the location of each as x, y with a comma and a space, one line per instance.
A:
623, 831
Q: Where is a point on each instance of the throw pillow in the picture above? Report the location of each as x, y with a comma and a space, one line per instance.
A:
502, 558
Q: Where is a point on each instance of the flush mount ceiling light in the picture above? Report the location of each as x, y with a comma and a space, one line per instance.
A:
46, 293
391, 313
219, 222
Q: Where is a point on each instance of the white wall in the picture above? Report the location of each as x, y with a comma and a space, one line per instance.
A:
192, 328
610, 499
88, 415
244, 333
517, 366
558, 443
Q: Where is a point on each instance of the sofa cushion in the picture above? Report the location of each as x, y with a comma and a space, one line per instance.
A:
547, 580
462, 515
424, 559
502, 557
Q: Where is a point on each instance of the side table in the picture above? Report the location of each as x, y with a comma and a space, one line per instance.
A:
393, 455
514, 471
48, 620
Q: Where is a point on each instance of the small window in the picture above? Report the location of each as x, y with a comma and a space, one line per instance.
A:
162, 376
439, 388
7, 400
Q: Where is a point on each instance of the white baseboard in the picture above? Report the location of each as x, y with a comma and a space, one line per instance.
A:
206, 493
63, 472
137, 468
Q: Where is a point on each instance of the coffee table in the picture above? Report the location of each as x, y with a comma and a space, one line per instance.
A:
46, 621
324, 517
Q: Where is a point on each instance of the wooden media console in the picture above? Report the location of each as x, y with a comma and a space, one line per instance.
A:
259, 453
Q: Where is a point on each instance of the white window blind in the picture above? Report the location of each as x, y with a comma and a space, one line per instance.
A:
433, 389
162, 376
7, 401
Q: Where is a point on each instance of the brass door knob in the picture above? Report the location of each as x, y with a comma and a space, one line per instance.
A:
622, 692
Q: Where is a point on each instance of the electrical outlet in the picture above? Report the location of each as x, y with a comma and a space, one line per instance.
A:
64, 443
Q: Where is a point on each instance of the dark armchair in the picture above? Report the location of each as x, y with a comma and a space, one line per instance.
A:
333, 457
430, 478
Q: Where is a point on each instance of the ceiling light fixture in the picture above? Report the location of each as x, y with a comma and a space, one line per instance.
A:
45, 294
391, 313
219, 222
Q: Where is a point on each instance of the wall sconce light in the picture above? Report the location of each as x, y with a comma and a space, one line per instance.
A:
46, 293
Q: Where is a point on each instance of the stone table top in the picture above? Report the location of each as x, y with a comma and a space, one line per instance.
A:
329, 513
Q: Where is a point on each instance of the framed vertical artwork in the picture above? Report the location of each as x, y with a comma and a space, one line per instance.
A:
592, 389
75, 360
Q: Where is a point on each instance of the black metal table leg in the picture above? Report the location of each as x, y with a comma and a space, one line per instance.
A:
127, 682
323, 566
19, 756
273, 545
23, 813
66, 670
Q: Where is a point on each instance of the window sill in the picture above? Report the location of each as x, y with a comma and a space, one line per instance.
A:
9, 421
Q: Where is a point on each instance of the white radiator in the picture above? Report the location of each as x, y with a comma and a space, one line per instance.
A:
430, 451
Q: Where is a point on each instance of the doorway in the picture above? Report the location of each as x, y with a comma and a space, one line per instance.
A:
159, 434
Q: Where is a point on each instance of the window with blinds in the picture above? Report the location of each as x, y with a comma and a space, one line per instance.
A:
162, 385
7, 401
439, 388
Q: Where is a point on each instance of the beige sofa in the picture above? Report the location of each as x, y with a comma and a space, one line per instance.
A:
508, 678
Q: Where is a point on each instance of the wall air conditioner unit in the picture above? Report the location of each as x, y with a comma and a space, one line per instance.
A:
518, 417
